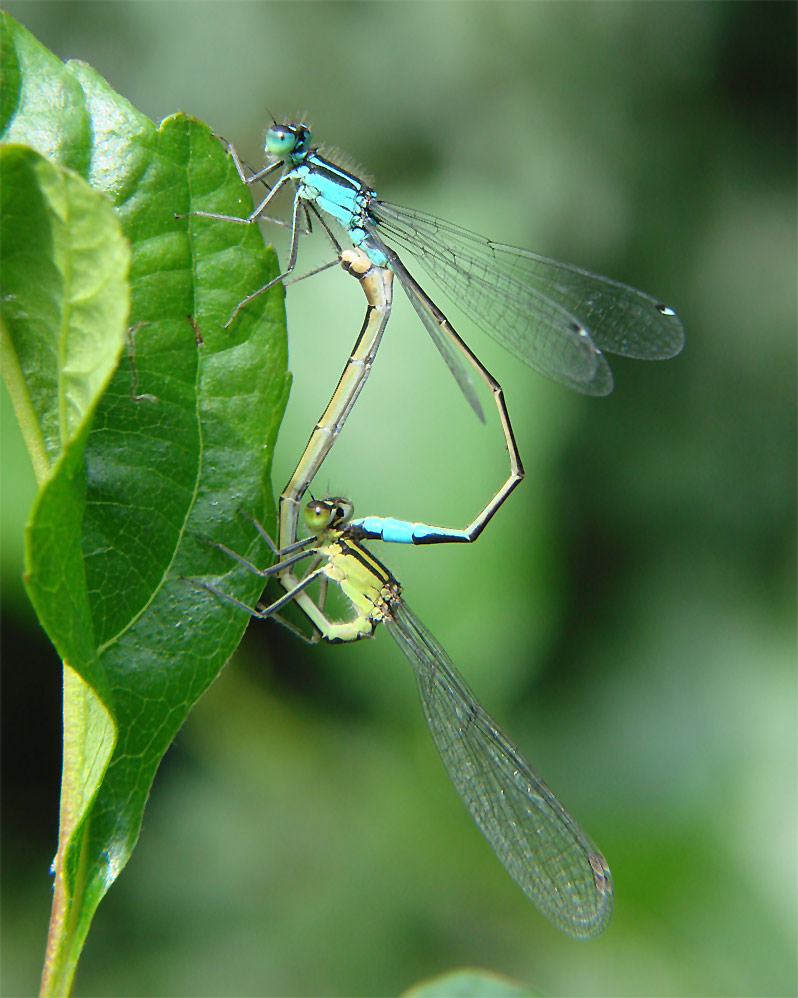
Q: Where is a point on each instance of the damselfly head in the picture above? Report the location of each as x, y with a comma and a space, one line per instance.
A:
288, 140
323, 514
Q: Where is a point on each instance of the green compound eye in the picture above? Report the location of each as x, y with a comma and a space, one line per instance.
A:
323, 513
318, 515
288, 141
281, 140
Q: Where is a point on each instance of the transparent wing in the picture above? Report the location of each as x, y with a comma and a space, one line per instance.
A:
543, 848
452, 356
554, 316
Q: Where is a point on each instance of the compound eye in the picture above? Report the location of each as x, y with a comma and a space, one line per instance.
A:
281, 140
319, 515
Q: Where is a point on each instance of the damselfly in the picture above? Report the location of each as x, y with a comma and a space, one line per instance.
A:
555, 317
542, 847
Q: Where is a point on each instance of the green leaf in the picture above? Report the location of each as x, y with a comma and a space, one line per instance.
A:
11, 79
136, 475
469, 984
65, 299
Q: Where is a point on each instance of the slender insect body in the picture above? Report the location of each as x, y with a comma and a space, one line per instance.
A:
558, 319
542, 847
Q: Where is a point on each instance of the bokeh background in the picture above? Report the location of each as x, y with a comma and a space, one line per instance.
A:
630, 617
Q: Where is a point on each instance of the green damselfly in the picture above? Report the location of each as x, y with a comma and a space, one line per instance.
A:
542, 847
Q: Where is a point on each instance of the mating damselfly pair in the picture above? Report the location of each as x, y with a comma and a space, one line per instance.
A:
557, 318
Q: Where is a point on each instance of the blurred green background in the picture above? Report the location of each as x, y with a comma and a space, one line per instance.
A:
630, 617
